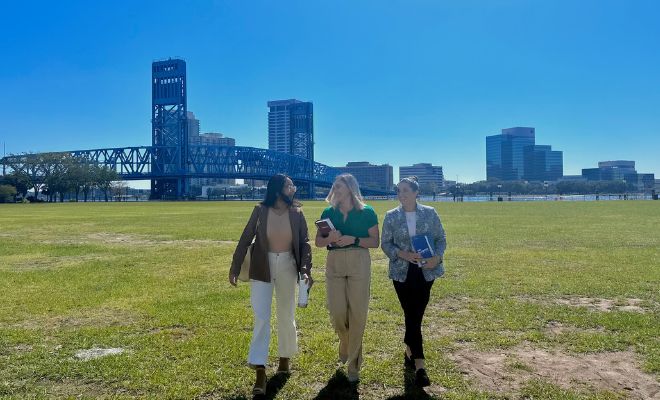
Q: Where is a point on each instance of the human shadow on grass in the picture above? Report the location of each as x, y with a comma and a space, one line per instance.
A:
338, 388
273, 386
410, 390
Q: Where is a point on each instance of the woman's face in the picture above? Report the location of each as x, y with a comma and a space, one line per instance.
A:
289, 190
406, 194
341, 191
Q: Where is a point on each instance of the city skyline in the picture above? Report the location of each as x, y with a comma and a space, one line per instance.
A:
386, 75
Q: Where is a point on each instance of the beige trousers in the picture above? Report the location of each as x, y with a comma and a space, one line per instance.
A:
348, 279
283, 279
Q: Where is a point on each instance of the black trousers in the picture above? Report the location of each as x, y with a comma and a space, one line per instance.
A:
414, 295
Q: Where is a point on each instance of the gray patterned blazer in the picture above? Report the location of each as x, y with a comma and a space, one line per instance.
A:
395, 237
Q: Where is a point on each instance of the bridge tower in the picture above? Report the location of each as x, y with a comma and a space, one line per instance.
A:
169, 129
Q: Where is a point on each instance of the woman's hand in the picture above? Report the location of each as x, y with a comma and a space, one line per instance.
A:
431, 263
308, 279
409, 256
233, 279
345, 240
334, 236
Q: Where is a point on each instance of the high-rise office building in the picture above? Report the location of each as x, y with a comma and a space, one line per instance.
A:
542, 163
619, 170
505, 159
430, 178
514, 155
379, 177
610, 171
212, 139
291, 127
193, 125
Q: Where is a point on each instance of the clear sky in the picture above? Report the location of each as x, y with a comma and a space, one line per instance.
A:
395, 82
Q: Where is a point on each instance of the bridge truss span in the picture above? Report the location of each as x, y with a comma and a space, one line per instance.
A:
157, 162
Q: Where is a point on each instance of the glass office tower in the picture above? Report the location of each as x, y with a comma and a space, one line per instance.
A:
505, 153
291, 127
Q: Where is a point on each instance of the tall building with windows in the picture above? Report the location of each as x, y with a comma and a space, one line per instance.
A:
291, 127
195, 138
370, 176
193, 124
514, 155
431, 178
620, 170
505, 158
542, 163
610, 171
212, 139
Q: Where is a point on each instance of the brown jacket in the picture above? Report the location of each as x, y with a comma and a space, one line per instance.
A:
259, 268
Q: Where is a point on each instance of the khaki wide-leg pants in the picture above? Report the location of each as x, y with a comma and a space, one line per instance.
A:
348, 279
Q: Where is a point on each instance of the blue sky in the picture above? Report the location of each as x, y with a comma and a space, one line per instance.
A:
395, 82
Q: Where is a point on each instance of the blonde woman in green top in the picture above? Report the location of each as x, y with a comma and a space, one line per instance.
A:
348, 266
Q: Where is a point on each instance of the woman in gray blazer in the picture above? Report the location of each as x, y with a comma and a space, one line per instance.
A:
412, 274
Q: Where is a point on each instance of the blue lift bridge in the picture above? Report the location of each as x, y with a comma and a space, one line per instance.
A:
171, 161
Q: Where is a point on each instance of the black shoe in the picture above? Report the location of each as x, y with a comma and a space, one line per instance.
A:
421, 378
408, 362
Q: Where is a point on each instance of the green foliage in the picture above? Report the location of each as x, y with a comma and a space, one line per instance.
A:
539, 188
151, 278
62, 173
7, 193
19, 180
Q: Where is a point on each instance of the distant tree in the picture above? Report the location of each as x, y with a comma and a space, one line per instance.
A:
118, 189
28, 166
195, 190
7, 194
54, 167
244, 191
76, 171
428, 188
104, 178
89, 178
18, 179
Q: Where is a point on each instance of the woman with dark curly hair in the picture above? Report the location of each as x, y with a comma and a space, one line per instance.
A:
280, 256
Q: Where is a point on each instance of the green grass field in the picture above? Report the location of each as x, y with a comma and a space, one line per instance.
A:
537, 297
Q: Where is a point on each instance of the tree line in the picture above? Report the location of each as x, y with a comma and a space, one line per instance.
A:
59, 174
539, 188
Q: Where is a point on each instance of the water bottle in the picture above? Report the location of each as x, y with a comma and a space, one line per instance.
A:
303, 292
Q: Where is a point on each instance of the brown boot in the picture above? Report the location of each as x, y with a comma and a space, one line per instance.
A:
284, 366
260, 383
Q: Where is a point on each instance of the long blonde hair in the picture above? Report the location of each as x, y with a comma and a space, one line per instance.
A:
353, 187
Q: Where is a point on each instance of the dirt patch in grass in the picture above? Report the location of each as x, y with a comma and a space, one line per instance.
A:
177, 333
507, 371
137, 240
70, 388
21, 264
597, 304
21, 348
105, 317
125, 239
97, 352
557, 328
453, 304
603, 305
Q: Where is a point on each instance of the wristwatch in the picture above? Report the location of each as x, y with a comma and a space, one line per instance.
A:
357, 241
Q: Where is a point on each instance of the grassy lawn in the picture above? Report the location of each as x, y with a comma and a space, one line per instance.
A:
570, 282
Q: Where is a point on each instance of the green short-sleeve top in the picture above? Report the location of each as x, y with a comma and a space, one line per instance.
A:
357, 222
